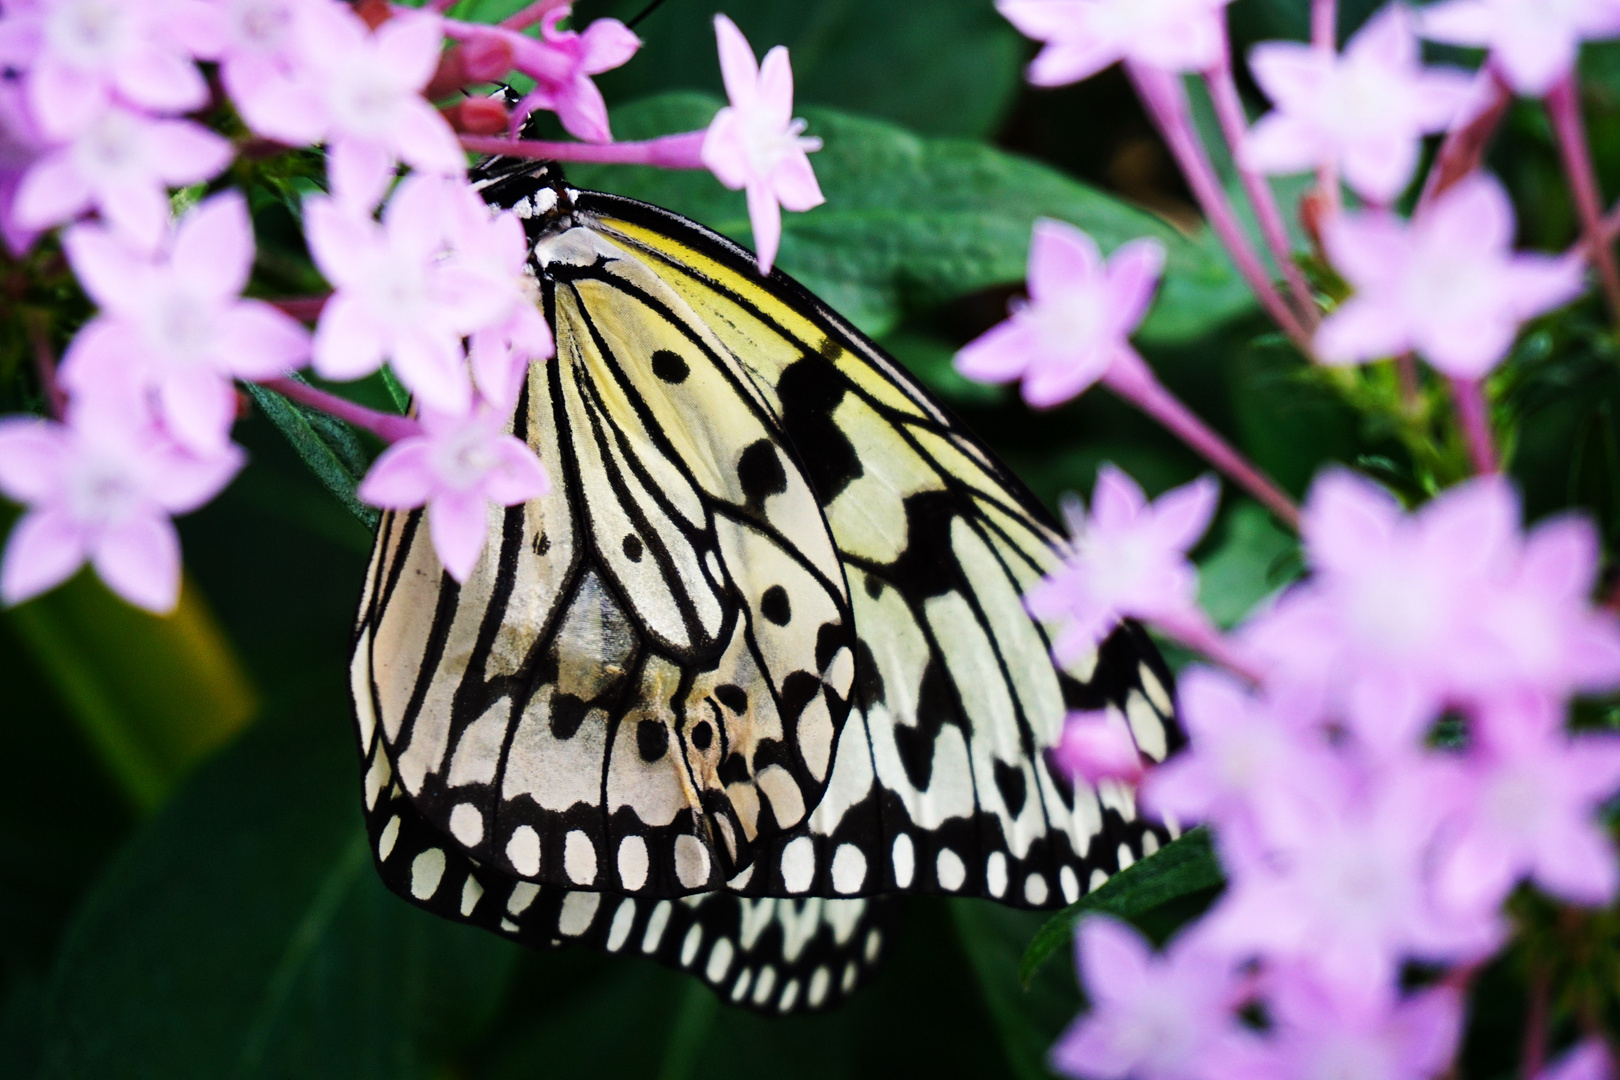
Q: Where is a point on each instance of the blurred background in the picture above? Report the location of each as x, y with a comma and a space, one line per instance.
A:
185, 890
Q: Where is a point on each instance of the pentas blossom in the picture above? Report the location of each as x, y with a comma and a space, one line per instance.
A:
1365, 111
1084, 36
1446, 284
458, 467
399, 296
82, 55
370, 111
1322, 1031
1154, 1016
1533, 43
1589, 1060
1097, 746
121, 164
561, 64
1078, 319
101, 488
175, 323
755, 145
259, 47
20, 144
1126, 559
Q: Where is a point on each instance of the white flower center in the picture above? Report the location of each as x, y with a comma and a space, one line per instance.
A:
111, 147
182, 329
364, 100
770, 144
100, 491
1393, 611
91, 33
397, 290
463, 458
262, 26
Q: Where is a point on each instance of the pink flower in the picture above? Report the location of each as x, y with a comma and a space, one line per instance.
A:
1077, 321
81, 55
1098, 746
121, 164
1365, 111
1533, 42
1251, 771
1128, 559
1589, 1060
258, 44
368, 88
101, 488
1321, 1030
1154, 1016
458, 467
1084, 36
1529, 809
175, 324
562, 63
754, 144
1384, 631
1447, 284
399, 297
20, 145
1354, 898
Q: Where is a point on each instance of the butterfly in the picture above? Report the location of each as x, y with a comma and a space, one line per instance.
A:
758, 663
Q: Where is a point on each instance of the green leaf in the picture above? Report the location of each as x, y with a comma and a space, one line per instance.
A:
243, 934
911, 223
328, 446
1028, 1013
1181, 869
1241, 572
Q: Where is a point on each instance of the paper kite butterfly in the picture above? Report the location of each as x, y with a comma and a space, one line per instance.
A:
756, 664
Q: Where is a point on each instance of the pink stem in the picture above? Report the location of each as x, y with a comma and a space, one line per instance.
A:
1464, 145
1201, 637
1234, 126
1166, 102
45, 366
386, 426
669, 152
302, 308
1406, 371
1564, 110
1325, 38
1130, 377
1476, 425
532, 14
1533, 1052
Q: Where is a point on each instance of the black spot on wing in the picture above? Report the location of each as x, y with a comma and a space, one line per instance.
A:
732, 697
935, 702
652, 740
567, 713
633, 547
669, 366
810, 390
774, 605
1010, 782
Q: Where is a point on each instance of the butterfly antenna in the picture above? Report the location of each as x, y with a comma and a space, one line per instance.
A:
646, 11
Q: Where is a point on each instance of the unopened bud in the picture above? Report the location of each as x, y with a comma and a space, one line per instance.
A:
478, 116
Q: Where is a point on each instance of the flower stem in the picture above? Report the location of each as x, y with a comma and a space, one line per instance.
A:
385, 426
1533, 1051
45, 365
1474, 418
1564, 110
1166, 102
1406, 374
669, 151
1464, 145
302, 308
1130, 377
532, 14
1325, 38
1234, 125
1201, 637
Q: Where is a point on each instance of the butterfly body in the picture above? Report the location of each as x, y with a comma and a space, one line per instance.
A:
759, 659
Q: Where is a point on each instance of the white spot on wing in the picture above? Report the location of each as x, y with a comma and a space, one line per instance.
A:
1146, 727
385, 842
578, 909
471, 893
764, 984
623, 919
950, 870
995, 874
655, 927
579, 858
1069, 884
427, 870
820, 979
790, 996
691, 861
1035, 889
848, 869
719, 960
904, 856
523, 849
523, 894
467, 824
689, 947
633, 862
798, 864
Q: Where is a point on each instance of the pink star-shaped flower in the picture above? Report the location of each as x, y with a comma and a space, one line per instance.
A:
1077, 321
20, 145
457, 467
102, 488
121, 164
1126, 559
1098, 746
1154, 1016
562, 63
1533, 43
258, 45
1084, 36
1447, 284
1321, 1029
1365, 111
755, 145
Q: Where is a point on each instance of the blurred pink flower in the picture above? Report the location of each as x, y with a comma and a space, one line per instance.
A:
1533, 43
258, 44
20, 144
562, 62
1531, 794
754, 144
399, 296
1365, 111
1588, 1060
81, 55
1097, 746
121, 164
1322, 1030
1354, 899
1077, 321
1084, 36
1127, 559
457, 467
1153, 1016
369, 92
1385, 631
102, 488
175, 323
1447, 284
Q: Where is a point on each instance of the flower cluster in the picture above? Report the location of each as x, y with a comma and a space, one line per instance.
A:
1382, 751
105, 107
